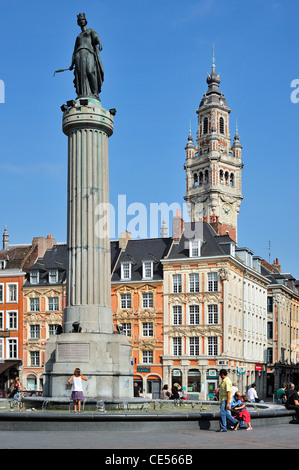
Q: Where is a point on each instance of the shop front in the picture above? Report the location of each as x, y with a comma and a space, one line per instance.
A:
212, 383
194, 384
149, 382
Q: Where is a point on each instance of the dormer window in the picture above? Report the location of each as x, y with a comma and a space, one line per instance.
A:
147, 269
53, 276
34, 276
194, 248
126, 270
2, 264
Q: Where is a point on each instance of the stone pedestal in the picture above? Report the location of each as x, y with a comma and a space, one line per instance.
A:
103, 356
104, 359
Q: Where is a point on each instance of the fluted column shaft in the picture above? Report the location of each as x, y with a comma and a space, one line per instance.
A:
89, 267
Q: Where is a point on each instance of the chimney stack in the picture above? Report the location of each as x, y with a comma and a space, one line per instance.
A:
123, 239
178, 226
43, 244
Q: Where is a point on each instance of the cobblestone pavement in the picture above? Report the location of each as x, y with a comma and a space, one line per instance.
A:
284, 436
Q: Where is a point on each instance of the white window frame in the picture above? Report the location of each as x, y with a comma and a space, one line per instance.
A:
12, 343
127, 329
194, 346
193, 315
15, 319
177, 346
213, 314
147, 300
125, 300
52, 330
147, 269
34, 276
34, 309
53, 276
176, 283
52, 300
34, 330
194, 282
213, 281
2, 290
8, 285
124, 269
177, 315
212, 346
147, 329
194, 248
147, 357
33, 356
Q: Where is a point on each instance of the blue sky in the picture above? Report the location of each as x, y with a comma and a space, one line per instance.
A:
156, 56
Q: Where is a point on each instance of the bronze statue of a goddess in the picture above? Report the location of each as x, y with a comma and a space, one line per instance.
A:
86, 61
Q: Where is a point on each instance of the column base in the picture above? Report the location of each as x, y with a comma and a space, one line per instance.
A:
104, 359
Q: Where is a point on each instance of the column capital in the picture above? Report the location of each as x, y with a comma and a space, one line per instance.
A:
86, 113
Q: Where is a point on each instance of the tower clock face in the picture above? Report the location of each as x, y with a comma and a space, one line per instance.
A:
227, 212
199, 211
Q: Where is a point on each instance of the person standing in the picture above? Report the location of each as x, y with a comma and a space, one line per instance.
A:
176, 388
136, 390
225, 398
77, 389
165, 393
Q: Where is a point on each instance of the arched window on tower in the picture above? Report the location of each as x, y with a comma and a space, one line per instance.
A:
200, 178
221, 176
231, 179
206, 176
221, 125
205, 125
195, 179
226, 177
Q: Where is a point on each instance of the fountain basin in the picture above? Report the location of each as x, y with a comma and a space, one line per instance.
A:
143, 418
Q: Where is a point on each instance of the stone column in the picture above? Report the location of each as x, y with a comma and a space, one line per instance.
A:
103, 356
88, 126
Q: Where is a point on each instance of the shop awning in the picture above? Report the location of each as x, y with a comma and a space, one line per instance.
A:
7, 365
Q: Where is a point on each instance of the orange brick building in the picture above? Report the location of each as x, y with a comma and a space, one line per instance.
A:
14, 262
44, 302
137, 305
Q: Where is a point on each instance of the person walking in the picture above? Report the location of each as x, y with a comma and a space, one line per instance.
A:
77, 395
225, 398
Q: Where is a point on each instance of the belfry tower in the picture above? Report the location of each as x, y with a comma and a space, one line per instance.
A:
213, 166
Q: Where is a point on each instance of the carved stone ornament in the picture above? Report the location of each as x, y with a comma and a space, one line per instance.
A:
177, 299
144, 314
147, 344
212, 297
223, 274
